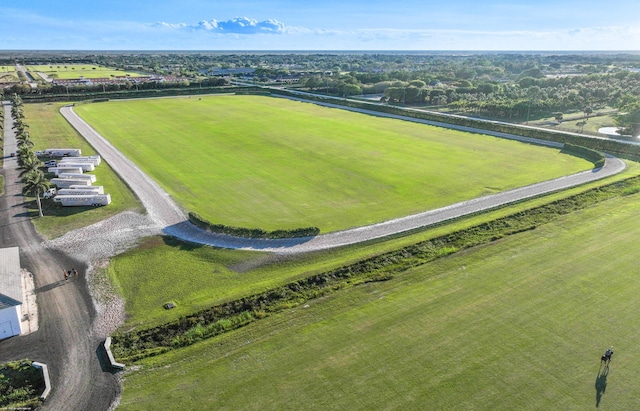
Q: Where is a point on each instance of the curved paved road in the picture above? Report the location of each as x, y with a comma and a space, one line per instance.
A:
166, 213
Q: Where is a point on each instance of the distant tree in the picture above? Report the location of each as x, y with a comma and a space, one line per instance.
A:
558, 116
587, 111
349, 89
313, 82
628, 118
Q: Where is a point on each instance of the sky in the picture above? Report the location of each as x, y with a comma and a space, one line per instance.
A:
300, 25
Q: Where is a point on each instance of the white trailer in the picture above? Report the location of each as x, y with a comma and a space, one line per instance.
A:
79, 176
84, 190
68, 182
95, 160
83, 200
83, 166
61, 152
69, 170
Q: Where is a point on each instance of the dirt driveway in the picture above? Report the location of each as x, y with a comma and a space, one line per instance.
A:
65, 340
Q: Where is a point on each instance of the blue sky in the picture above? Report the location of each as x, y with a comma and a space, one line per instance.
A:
320, 25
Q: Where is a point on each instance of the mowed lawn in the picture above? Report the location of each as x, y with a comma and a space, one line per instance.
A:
518, 324
74, 71
271, 163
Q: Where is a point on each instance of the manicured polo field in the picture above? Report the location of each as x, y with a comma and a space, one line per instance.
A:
517, 324
254, 161
74, 71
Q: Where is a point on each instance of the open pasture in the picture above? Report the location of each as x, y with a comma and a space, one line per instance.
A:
518, 324
271, 163
74, 71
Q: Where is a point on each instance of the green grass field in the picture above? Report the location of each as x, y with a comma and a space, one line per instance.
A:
49, 129
8, 74
198, 277
518, 324
271, 163
73, 71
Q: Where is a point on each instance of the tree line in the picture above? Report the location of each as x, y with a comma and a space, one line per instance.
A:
35, 182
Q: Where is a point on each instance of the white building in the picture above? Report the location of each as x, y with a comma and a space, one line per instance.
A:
10, 293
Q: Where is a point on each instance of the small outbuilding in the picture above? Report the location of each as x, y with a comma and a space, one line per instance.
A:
10, 293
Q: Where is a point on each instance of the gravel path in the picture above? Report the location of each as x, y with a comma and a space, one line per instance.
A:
166, 215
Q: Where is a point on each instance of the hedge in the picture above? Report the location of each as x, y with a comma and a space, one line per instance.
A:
201, 222
596, 157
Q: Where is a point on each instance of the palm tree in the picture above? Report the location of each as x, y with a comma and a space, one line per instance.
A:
36, 184
23, 152
24, 140
28, 164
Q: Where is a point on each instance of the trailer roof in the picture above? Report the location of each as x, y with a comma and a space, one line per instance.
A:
10, 278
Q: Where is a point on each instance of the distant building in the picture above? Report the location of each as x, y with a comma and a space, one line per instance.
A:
10, 293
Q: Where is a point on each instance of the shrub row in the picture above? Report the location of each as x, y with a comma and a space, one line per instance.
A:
122, 94
201, 222
596, 157
137, 344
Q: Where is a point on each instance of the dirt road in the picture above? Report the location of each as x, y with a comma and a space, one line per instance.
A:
64, 340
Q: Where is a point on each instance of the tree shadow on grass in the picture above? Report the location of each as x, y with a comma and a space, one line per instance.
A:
601, 383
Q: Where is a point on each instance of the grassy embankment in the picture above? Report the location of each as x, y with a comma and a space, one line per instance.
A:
74, 71
268, 163
516, 324
49, 129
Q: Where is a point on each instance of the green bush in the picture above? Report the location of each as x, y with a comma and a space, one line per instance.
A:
198, 221
20, 385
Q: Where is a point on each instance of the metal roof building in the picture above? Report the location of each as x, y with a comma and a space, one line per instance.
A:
11, 293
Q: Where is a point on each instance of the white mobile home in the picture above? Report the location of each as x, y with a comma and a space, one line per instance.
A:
10, 293
83, 166
61, 152
59, 170
95, 160
83, 200
79, 176
84, 190
68, 182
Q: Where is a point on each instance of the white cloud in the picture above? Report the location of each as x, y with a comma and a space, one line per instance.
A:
238, 25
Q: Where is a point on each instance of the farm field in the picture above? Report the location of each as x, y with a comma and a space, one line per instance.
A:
517, 324
271, 163
74, 71
49, 129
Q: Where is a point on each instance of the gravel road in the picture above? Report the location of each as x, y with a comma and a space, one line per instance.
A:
166, 215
